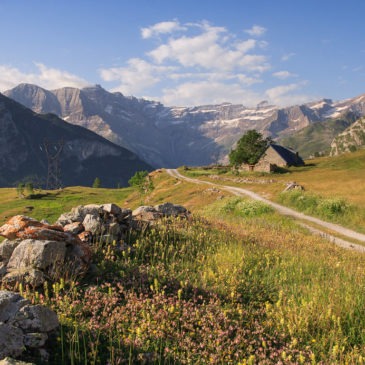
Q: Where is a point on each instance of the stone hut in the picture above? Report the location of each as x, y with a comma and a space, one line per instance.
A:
274, 157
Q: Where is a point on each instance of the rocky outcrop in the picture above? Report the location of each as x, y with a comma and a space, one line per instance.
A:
167, 210
350, 139
23, 326
35, 252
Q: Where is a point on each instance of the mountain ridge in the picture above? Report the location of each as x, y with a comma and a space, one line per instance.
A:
174, 136
85, 155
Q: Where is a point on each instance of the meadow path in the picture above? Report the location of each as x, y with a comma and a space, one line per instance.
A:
289, 212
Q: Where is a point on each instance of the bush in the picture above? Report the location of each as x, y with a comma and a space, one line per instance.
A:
316, 205
141, 181
97, 183
246, 208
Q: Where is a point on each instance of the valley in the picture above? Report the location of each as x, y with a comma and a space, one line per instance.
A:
276, 291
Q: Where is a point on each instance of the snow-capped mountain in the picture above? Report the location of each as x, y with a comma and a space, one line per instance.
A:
175, 136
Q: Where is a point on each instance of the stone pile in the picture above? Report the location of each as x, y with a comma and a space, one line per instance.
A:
34, 251
24, 327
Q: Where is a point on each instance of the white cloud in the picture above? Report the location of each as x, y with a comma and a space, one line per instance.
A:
287, 56
256, 31
285, 95
136, 77
207, 92
210, 50
161, 28
49, 78
282, 75
243, 79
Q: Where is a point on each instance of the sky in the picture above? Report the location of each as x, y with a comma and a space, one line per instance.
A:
187, 53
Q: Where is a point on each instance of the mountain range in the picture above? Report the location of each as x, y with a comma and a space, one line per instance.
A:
174, 136
85, 154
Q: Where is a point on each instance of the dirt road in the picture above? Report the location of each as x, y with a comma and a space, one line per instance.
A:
289, 212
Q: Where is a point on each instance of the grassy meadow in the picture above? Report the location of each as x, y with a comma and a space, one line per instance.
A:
334, 187
235, 284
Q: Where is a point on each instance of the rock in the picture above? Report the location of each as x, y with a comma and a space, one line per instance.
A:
74, 227
114, 229
85, 236
6, 249
92, 224
78, 259
36, 318
171, 210
11, 340
23, 326
35, 340
32, 259
21, 226
10, 303
78, 214
2, 269
124, 213
37, 254
146, 212
26, 275
40, 252
10, 361
111, 209
293, 186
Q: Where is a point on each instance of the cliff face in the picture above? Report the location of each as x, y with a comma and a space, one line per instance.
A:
350, 139
85, 155
175, 136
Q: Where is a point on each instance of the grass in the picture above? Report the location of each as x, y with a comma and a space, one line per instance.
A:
50, 204
327, 182
237, 284
216, 290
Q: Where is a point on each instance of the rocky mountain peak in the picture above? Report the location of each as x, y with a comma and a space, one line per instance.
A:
175, 136
36, 98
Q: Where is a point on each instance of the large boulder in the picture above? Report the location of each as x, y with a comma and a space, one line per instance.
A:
146, 213
37, 254
22, 227
171, 210
34, 260
149, 213
23, 326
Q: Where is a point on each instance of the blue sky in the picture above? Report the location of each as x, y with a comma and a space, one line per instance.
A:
188, 52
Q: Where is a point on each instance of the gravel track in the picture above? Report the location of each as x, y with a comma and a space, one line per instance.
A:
289, 212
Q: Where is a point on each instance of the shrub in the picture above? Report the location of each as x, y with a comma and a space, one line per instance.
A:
246, 208
316, 205
97, 183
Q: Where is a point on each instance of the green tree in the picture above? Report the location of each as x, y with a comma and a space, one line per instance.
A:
20, 190
97, 183
141, 181
249, 149
29, 188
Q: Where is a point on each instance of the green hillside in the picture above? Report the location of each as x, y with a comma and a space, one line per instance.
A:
316, 138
